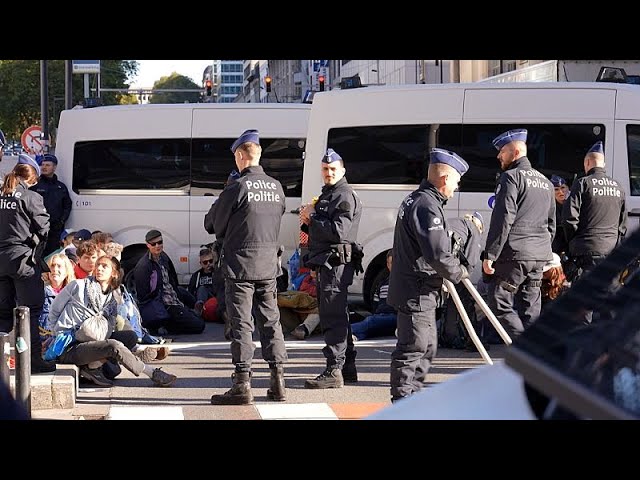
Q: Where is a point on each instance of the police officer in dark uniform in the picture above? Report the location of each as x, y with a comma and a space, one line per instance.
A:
522, 228
422, 257
56, 200
594, 218
561, 192
24, 224
246, 220
332, 224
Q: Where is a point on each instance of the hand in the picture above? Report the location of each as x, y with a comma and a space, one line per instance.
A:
305, 213
487, 267
465, 272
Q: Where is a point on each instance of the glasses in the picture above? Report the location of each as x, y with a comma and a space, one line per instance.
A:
153, 244
206, 262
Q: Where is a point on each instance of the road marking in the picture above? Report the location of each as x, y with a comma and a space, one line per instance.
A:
295, 411
145, 413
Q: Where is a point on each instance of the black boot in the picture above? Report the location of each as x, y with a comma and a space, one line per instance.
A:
277, 391
349, 372
239, 394
330, 378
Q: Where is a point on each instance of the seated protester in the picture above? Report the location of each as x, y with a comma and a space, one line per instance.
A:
309, 284
78, 237
113, 249
161, 301
101, 239
383, 322
59, 276
554, 281
466, 235
87, 253
201, 284
96, 294
66, 239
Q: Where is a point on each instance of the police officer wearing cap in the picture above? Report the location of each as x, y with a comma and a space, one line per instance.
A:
56, 199
594, 217
246, 219
24, 225
522, 228
422, 257
332, 225
561, 192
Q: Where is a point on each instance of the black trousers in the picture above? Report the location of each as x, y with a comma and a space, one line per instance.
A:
333, 284
24, 288
417, 345
260, 298
514, 294
585, 263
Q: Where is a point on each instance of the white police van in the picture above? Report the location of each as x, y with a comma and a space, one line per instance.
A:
384, 135
133, 168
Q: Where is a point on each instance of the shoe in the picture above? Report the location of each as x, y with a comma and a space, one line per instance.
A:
111, 370
299, 333
146, 354
198, 308
161, 353
163, 379
330, 378
38, 365
95, 375
239, 394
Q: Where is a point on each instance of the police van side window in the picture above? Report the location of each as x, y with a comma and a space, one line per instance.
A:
149, 164
386, 154
552, 149
633, 146
212, 161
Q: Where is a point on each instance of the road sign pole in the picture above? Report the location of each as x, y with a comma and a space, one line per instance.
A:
44, 105
86, 85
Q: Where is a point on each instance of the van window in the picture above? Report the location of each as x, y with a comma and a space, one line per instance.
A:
552, 149
633, 146
388, 154
212, 161
160, 164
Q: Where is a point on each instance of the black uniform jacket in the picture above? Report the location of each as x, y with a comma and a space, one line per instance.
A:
594, 217
56, 199
523, 222
24, 223
246, 219
336, 220
422, 253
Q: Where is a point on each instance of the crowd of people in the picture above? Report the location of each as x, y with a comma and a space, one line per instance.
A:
542, 235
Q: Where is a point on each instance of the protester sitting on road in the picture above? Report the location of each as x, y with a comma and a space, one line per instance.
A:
80, 236
87, 253
163, 304
66, 239
383, 322
113, 249
96, 294
201, 284
554, 281
59, 276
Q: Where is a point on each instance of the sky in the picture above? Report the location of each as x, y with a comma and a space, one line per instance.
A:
150, 71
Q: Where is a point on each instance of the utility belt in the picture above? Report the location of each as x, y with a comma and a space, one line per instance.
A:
511, 288
343, 253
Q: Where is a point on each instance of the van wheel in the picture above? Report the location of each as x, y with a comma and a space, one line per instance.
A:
131, 255
375, 284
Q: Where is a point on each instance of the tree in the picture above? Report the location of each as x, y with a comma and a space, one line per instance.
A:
175, 80
20, 90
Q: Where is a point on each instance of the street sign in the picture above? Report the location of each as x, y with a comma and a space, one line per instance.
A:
86, 66
32, 140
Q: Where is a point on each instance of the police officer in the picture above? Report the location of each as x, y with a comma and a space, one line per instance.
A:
246, 219
56, 200
561, 192
332, 224
24, 224
422, 257
519, 240
594, 217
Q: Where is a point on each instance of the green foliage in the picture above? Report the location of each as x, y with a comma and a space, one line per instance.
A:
175, 80
20, 90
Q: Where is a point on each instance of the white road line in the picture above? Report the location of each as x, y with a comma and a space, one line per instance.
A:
293, 411
291, 344
145, 413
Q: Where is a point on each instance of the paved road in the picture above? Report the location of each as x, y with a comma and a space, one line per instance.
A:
203, 365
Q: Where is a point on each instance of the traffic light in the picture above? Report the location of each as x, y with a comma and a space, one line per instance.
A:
267, 83
321, 82
207, 86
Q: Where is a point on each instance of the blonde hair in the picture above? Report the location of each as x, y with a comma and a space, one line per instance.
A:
12, 179
113, 249
70, 274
